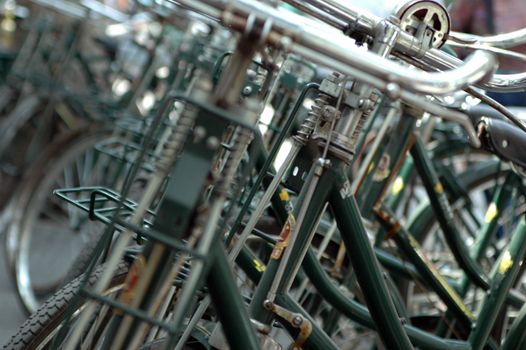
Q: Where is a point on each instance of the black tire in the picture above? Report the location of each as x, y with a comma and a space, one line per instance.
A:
46, 320
28, 223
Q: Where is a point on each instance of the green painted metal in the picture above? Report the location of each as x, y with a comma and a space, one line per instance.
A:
395, 196
487, 232
312, 215
392, 152
424, 214
250, 264
444, 215
397, 299
316, 205
139, 314
398, 266
412, 250
493, 214
359, 313
383, 312
268, 163
516, 337
276, 200
228, 304
366, 267
503, 275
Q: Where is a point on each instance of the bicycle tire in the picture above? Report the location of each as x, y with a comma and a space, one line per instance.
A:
46, 320
35, 195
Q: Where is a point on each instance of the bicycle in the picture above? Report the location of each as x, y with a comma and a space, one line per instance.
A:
271, 298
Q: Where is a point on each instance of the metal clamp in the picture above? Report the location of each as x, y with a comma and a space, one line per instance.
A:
296, 320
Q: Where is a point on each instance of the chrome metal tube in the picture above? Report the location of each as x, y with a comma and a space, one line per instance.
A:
503, 41
495, 50
498, 82
318, 13
304, 36
408, 45
105, 10
81, 9
355, 20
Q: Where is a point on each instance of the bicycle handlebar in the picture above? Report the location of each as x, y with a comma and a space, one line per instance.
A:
498, 82
304, 37
79, 10
105, 10
503, 41
351, 22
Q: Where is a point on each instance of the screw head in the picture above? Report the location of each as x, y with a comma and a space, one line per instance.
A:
297, 321
247, 90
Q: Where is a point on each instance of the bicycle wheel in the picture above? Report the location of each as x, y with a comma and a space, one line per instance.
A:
471, 210
45, 235
38, 330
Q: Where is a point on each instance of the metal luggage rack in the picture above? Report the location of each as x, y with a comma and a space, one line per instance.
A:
138, 125
109, 207
129, 141
126, 152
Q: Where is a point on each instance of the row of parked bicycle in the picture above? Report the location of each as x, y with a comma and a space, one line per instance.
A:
259, 174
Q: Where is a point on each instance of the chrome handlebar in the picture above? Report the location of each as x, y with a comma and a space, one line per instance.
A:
80, 9
503, 41
308, 38
353, 22
498, 82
